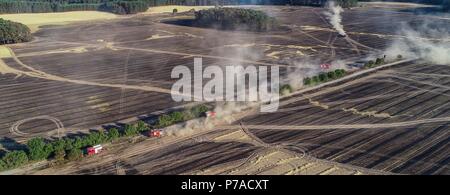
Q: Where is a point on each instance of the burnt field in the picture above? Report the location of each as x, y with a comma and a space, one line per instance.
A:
93, 73
396, 120
87, 74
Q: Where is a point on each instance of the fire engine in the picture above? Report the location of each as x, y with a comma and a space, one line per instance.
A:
210, 114
325, 66
155, 133
94, 150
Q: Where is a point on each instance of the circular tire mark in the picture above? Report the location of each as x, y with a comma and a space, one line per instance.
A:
15, 127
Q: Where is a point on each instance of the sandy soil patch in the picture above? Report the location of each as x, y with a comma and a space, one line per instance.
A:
237, 135
278, 163
35, 20
4, 52
169, 9
368, 113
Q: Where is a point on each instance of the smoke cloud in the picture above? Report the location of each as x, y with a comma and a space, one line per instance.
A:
225, 112
429, 41
334, 17
308, 68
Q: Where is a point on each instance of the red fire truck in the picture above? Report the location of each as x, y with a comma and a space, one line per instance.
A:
325, 66
94, 150
155, 133
210, 114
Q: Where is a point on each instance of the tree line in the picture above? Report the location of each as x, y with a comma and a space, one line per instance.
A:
324, 77
235, 18
44, 6
135, 6
72, 148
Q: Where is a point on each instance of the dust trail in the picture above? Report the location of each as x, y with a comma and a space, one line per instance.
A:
227, 113
334, 17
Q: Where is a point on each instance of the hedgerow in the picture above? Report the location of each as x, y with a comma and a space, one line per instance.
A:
71, 148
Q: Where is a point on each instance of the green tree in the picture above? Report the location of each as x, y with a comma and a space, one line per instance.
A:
130, 130
315, 79
60, 156
331, 75
78, 143
69, 143
95, 138
113, 134
379, 61
2, 165
370, 64
74, 154
234, 18
198, 110
15, 159
176, 117
59, 145
13, 32
141, 126
339, 73
323, 77
164, 120
307, 81
38, 149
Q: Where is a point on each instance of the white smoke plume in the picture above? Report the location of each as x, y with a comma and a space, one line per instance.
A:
308, 68
334, 16
302, 69
430, 42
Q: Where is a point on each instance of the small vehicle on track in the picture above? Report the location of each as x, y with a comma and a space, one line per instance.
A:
94, 150
325, 66
210, 114
156, 133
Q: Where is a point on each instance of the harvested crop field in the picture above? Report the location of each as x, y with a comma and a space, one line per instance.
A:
395, 120
82, 75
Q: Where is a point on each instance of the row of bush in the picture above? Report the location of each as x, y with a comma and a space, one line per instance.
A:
13, 32
179, 116
324, 77
377, 62
321, 78
71, 148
